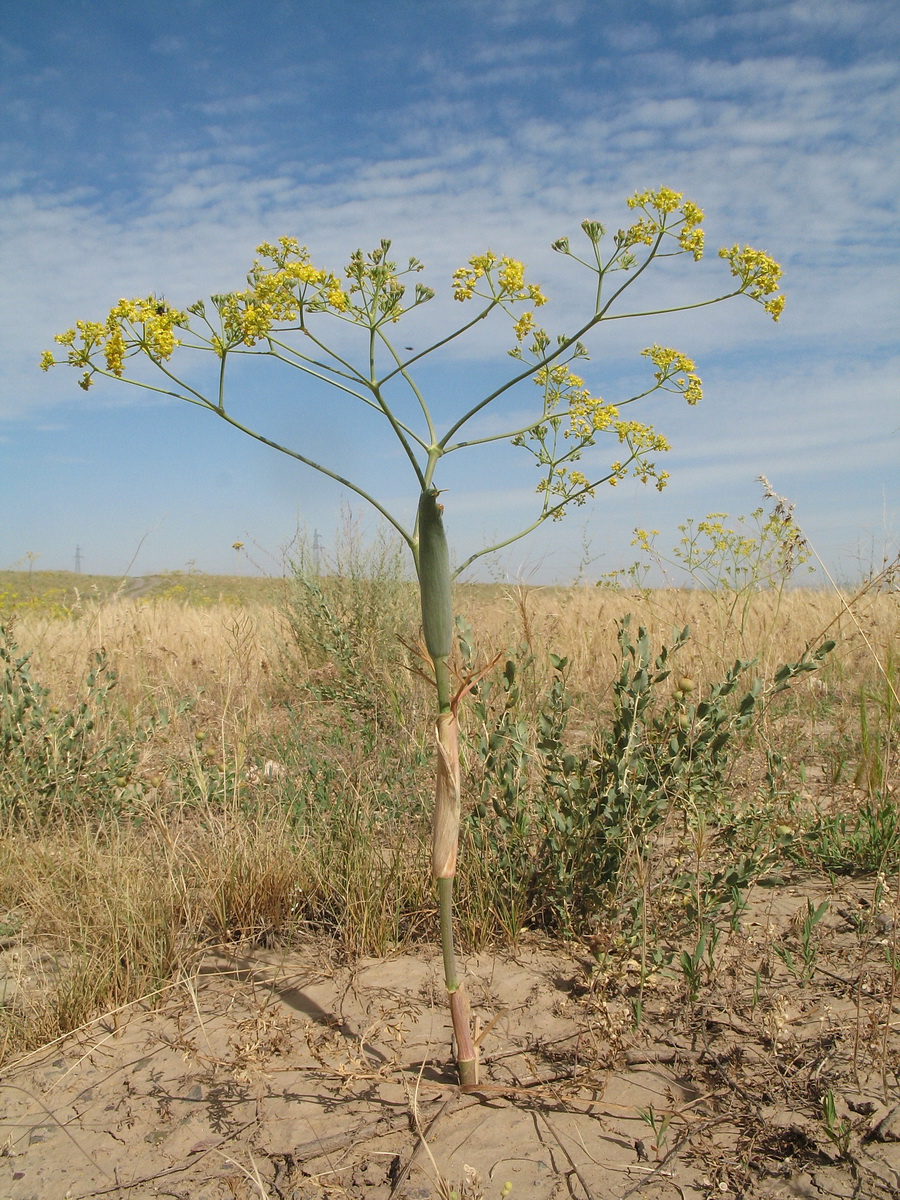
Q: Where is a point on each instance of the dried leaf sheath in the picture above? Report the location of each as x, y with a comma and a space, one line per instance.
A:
445, 830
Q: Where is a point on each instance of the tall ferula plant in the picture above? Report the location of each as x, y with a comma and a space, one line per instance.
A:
284, 313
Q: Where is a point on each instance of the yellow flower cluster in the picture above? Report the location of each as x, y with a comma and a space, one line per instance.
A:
641, 233
509, 284
523, 326
644, 538
553, 378
644, 472
692, 214
759, 275
276, 298
692, 240
158, 322
256, 321
511, 276
675, 372
278, 293
722, 539
562, 384
115, 351
91, 335
664, 200
657, 206
286, 251
569, 486
465, 278
290, 266
641, 437
589, 415
566, 396
573, 485
146, 323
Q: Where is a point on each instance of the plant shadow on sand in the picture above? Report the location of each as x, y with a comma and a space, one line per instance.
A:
286, 1072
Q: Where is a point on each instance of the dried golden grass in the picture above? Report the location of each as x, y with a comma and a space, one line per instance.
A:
109, 916
164, 648
581, 623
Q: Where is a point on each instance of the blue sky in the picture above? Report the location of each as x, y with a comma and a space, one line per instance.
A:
152, 148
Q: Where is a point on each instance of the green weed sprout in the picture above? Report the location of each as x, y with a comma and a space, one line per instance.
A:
284, 314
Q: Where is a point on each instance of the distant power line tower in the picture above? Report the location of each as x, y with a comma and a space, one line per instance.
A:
77, 560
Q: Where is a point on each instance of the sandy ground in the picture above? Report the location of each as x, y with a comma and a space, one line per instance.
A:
285, 1073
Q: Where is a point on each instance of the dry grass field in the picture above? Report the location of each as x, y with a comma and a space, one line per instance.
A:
679, 892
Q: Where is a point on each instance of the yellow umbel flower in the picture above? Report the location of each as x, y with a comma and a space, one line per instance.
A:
692, 214
759, 275
691, 240
664, 200
640, 436
511, 276
641, 233
675, 372
256, 321
509, 284
523, 326
775, 307
115, 351
658, 207
304, 272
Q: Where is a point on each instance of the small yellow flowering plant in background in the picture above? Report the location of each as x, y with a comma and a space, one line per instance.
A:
284, 314
731, 558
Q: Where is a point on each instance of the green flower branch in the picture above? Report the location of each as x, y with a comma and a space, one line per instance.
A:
285, 291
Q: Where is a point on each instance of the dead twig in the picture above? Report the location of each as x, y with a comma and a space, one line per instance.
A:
320, 1147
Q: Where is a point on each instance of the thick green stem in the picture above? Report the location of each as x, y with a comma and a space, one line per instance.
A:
442, 679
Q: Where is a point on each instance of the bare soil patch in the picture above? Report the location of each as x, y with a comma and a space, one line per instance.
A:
283, 1072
